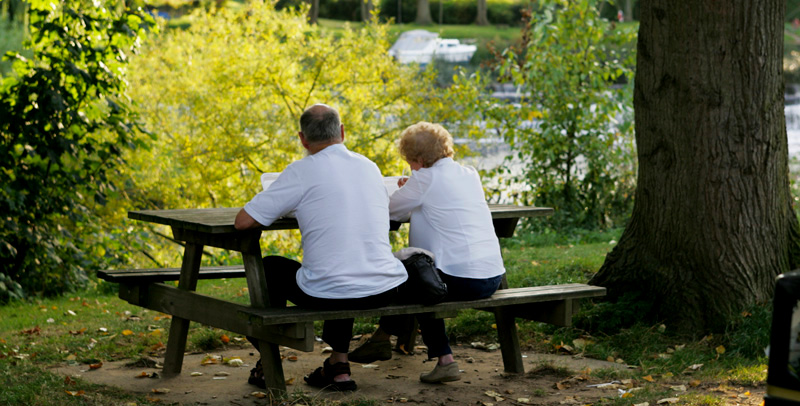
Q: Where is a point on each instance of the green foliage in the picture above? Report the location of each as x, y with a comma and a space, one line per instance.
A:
66, 123
30, 385
10, 290
573, 132
12, 36
223, 99
499, 12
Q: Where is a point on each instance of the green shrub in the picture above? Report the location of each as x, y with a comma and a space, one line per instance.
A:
66, 123
10, 290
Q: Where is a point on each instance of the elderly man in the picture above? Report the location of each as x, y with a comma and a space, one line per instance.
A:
342, 208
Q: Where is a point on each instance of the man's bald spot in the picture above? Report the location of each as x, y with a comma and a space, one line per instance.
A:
320, 123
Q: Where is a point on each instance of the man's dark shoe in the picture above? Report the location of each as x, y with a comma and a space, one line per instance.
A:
371, 351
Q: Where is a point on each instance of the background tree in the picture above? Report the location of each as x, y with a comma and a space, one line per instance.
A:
712, 224
313, 11
481, 17
366, 10
571, 133
223, 99
423, 13
64, 124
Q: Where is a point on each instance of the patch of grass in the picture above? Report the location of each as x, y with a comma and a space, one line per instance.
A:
25, 383
696, 399
548, 368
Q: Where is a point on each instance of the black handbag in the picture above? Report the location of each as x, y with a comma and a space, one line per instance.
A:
424, 285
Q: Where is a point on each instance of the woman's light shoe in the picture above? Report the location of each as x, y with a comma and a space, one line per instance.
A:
442, 373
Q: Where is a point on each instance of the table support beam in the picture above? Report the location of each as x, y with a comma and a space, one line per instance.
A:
179, 327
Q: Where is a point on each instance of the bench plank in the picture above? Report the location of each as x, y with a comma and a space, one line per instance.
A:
504, 297
168, 274
217, 313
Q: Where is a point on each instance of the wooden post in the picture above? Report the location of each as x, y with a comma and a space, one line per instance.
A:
259, 298
179, 327
509, 342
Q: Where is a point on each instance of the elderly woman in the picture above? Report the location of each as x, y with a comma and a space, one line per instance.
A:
449, 217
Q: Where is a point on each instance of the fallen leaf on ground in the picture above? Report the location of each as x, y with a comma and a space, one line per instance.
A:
667, 400
648, 378
720, 350
160, 390
581, 343
196, 374
642, 404
75, 393
127, 332
290, 381
78, 332
31, 331
225, 339
497, 397
96, 366
210, 359
258, 395
679, 388
143, 375
694, 383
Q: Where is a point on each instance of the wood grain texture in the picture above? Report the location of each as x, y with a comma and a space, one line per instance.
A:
220, 220
545, 295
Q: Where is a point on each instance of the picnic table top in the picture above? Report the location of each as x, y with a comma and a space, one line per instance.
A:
220, 220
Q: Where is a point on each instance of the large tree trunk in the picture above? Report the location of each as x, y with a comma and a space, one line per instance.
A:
481, 18
423, 13
712, 225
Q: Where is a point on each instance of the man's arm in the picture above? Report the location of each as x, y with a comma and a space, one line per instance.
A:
244, 221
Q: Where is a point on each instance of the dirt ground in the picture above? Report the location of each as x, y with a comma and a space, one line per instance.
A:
483, 381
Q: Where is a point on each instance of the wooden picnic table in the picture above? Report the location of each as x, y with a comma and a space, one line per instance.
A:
214, 227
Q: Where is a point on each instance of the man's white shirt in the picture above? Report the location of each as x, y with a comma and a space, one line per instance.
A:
341, 206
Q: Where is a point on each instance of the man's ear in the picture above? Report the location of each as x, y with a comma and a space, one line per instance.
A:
341, 127
303, 139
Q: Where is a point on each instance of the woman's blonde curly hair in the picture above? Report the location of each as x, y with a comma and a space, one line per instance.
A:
425, 143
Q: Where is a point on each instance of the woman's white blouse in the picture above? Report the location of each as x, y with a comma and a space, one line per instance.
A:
450, 217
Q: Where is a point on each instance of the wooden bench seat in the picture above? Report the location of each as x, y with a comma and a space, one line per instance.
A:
293, 326
137, 276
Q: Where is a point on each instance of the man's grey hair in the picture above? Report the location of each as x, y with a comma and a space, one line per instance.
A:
320, 124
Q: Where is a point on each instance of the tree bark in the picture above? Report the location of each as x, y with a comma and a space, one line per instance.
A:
628, 10
482, 18
366, 10
713, 223
313, 12
423, 13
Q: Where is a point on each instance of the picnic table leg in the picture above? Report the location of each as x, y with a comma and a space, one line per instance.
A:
259, 298
179, 327
509, 341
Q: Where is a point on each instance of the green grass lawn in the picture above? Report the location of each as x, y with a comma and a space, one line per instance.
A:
93, 327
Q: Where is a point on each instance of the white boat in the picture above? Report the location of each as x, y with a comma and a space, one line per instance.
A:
422, 47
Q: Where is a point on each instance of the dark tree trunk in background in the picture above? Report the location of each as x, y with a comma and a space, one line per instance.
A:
628, 10
482, 18
366, 10
712, 224
423, 13
313, 12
